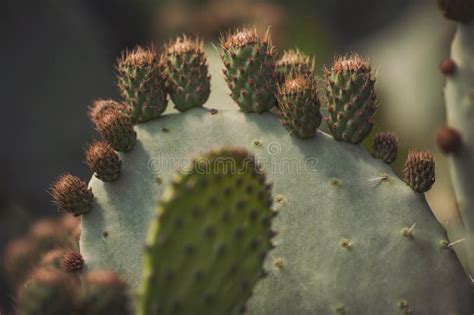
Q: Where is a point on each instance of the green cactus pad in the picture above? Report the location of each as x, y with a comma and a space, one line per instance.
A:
351, 99
249, 69
205, 249
188, 79
142, 83
340, 244
298, 105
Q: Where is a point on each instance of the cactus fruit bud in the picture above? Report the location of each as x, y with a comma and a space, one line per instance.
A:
103, 161
216, 214
298, 105
72, 262
419, 171
70, 194
447, 66
294, 61
48, 291
385, 147
352, 101
117, 130
457, 10
187, 71
249, 69
105, 293
449, 140
142, 83
100, 107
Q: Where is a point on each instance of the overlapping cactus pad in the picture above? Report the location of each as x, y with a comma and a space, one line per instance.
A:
350, 237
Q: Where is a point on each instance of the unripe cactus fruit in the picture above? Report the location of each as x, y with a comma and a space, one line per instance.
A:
298, 105
189, 83
249, 69
70, 194
216, 214
48, 291
104, 294
351, 98
294, 61
385, 147
72, 262
100, 107
447, 66
117, 130
419, 170
142, 83
457, 10
449, 140
103, 161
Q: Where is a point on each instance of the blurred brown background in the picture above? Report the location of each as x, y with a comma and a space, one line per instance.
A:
58, 55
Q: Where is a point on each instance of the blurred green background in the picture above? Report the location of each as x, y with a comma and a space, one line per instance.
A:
58, 56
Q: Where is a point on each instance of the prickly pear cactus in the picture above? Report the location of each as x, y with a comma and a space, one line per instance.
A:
205, 249
352, 237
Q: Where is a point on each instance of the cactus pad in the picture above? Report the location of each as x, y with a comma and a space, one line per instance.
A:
347, 238
205, 249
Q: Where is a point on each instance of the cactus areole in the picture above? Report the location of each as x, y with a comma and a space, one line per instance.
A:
350, 236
